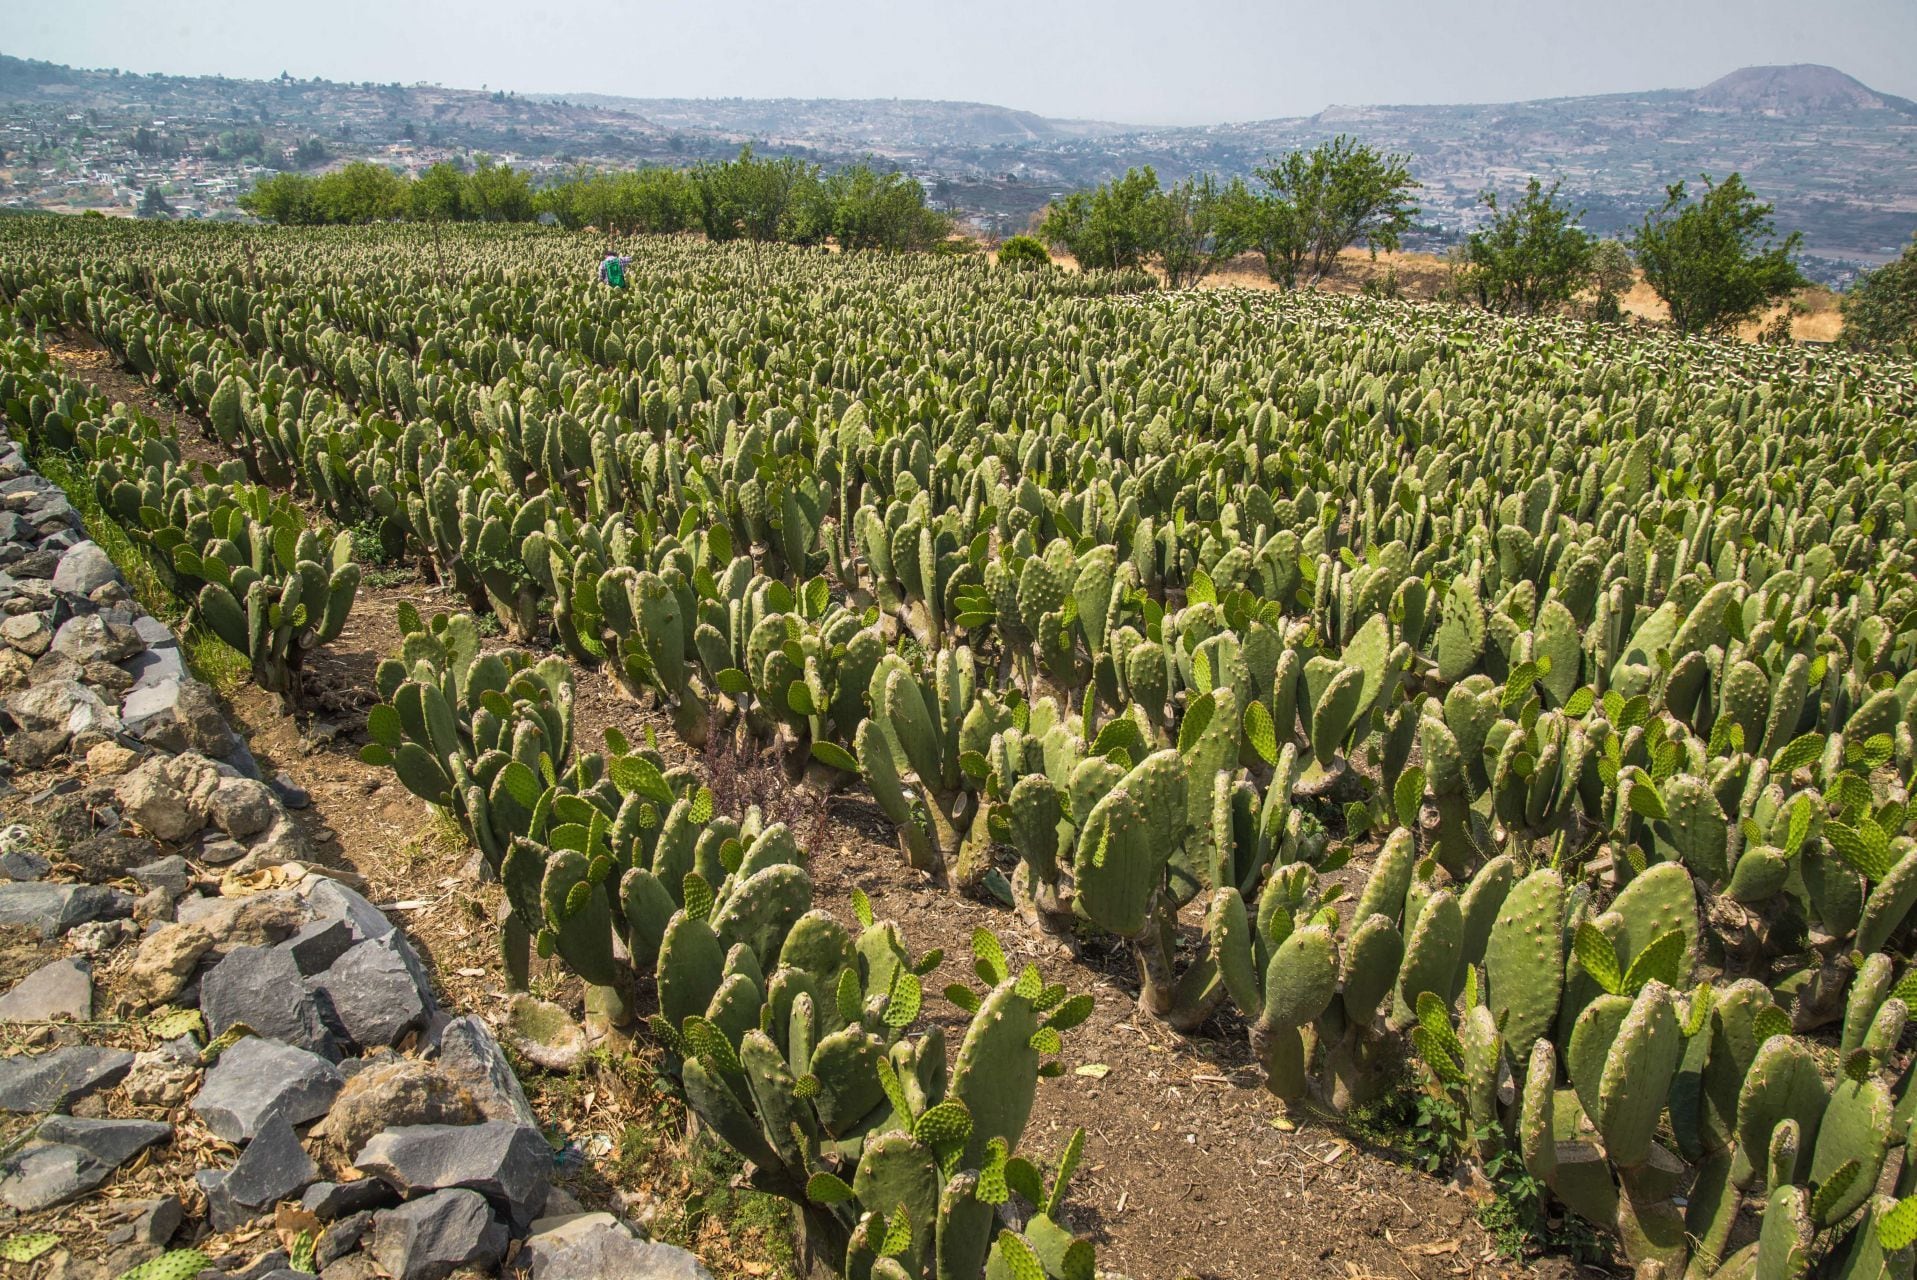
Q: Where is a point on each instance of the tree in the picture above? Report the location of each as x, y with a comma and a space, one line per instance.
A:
1714, 261
498, 193
310, 154
1111, 227
285, 198
360, 192
1612, 275
754, 199
1880, 311
438, 195
1198, 227
154, 204
1320, 202
865, 209
1532, 258
1023, 253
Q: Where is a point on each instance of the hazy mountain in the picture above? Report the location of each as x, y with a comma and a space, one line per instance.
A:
1838, 158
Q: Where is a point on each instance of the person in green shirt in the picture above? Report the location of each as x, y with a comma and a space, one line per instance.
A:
613, 270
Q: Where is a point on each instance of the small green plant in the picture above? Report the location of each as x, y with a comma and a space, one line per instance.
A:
369, 547
1023, 253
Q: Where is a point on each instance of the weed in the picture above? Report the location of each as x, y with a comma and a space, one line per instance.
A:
397, 576
369, 545
488, 624
217, 662
151, 585
1519, 1222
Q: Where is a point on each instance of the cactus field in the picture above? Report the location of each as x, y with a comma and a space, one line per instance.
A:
1386, 701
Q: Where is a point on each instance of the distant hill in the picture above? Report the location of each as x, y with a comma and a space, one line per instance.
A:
1804, 89
1837, 158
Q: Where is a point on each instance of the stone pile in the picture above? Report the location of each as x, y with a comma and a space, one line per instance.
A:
173, 878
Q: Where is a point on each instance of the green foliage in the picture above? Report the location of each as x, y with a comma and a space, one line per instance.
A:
1880, 310
1532, 258
1315, 204
1715, 261
1023, 253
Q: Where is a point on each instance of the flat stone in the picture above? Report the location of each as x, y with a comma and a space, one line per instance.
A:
318, 944
51, 1081
46, 1174
329, 1200
469, 1055
597, 1246
375, 993
261, 988
112, 1142
430, 1238
169, 873
83, 569
508, 1163
327, 898
257, 1079
274, 1166
220, 850
354, 1266
56, 908
152, 665
58, 989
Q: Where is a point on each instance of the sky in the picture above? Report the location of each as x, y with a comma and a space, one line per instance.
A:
1137, 61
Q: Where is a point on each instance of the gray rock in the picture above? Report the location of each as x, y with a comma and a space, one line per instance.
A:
63, 704
91, 638
152, 665
508, 1163
51, 1081
257, 1079
180, 715
56, 908
169, 873
110, 857
223, 1212
290, 792
374, 993
152, 632
220, 850
327, 898
274, 1166
354, 1266
23, 864
35, 564
112, 1142
30, 633
261, 987
342, 1237
242, 807
46, 1174
430, 1238
83, 569
470, 1055
58, 989
266, 1264
597, 1246
150, 1222
70, 1157
321, 942
329, 1200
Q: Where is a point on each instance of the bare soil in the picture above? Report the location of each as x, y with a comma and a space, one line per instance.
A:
1191, 1172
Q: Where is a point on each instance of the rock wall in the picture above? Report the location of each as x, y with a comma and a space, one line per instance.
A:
222, 1041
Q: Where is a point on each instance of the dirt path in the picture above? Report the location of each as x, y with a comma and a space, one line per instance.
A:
1189, 1174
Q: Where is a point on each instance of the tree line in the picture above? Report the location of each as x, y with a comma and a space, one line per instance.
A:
1714, 257
748, 197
